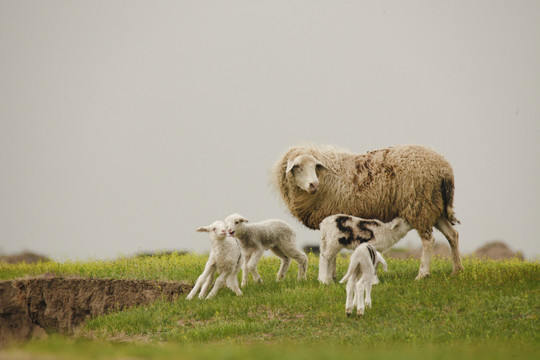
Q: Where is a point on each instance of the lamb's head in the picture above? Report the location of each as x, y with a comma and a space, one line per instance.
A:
235, 223
400, 226
217, 230
304, 170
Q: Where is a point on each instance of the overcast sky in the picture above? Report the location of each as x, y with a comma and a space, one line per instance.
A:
125, 125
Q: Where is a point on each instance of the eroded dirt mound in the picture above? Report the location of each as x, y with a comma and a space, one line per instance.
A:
62, 304
497, 250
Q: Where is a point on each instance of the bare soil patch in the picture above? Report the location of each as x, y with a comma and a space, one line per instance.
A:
28, 307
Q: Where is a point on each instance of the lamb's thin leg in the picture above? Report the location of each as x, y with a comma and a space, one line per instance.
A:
425, 261
327, 262
367, 287
252, 264
452, 236
285, 263
360, 285
232, 283
299, 256
349, 303
201, 279
208, 283
246, 256
334, 267
220, 282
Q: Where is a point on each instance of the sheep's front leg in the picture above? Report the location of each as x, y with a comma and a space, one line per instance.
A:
252, 264
201, 279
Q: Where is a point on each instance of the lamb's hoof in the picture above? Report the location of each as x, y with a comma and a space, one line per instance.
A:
422, 276
360, 313
348, 312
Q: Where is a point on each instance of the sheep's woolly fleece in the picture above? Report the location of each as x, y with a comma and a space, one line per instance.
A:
409, 181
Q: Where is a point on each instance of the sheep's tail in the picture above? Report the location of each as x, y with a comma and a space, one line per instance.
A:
447, 191
352, 267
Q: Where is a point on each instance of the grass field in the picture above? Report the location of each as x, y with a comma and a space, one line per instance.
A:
488, 311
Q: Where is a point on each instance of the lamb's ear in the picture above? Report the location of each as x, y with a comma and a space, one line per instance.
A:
203, 229
244, 220
290, 165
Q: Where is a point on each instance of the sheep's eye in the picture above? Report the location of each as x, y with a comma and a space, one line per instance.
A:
236, 222
296, 167
214, 229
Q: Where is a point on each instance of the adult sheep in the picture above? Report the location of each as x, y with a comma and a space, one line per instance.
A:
410, 181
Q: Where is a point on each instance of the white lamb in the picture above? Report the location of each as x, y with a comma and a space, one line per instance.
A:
225, 257
346, 231
359, 277
256, 238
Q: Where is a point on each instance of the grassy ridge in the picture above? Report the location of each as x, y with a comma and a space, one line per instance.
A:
491, 305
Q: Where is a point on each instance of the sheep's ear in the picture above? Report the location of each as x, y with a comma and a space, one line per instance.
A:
203, 229
321, 164
290, 165
244, 220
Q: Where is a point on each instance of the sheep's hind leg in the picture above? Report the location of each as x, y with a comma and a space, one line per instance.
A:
299, 256
452, 236
252, 264
425, 260
285, 263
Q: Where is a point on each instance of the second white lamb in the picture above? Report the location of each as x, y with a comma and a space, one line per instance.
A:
256, 238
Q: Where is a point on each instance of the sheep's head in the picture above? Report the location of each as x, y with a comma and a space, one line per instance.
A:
235, 223
304, 169
216, 229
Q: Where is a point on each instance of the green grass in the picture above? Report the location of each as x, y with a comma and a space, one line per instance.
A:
488, 311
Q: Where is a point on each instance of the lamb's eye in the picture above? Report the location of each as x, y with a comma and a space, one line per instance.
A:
214, 229
236, 222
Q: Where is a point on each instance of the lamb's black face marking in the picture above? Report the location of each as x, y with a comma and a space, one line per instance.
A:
364, 235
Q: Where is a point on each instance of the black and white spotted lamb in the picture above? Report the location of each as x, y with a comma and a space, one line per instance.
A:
345, 231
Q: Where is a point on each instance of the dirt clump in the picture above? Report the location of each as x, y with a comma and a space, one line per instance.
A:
27, 257
30, 305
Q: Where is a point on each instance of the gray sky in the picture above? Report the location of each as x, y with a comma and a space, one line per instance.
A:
125, 125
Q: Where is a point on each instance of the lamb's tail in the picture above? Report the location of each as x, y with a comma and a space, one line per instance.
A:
447, 191
352, 267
